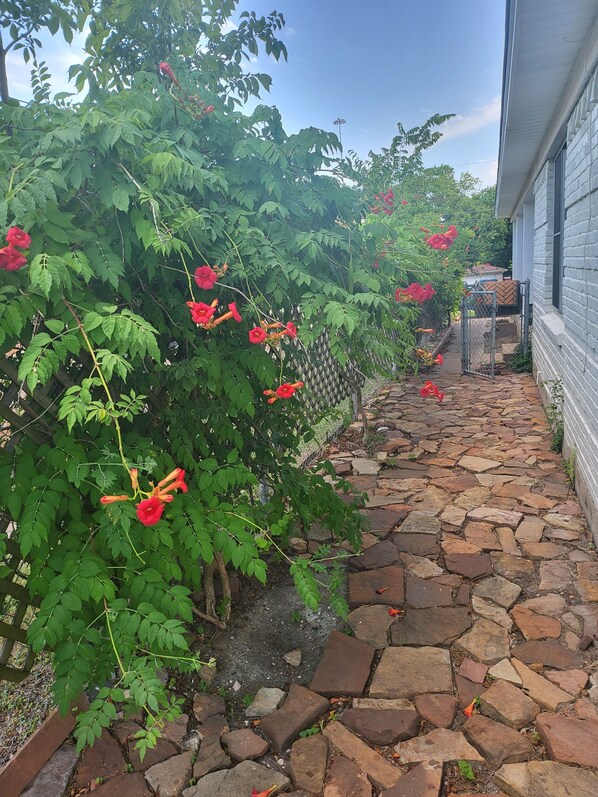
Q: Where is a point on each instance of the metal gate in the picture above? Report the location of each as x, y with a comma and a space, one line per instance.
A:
478, 333
524, 320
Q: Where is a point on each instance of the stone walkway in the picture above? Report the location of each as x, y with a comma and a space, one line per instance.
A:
478, 582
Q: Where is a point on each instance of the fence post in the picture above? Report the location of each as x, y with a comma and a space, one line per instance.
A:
525, 319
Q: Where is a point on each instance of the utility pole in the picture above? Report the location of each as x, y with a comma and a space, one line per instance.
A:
338, 122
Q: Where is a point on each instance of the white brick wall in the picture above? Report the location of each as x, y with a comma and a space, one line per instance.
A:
566, 345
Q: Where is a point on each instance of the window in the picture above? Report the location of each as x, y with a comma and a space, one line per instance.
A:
558, 226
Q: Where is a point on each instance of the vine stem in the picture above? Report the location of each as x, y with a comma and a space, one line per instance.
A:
103, 381
121, 666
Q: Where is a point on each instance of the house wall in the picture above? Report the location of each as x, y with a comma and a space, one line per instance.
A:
566, 344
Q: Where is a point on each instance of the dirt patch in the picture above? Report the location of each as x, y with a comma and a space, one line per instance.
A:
24, 706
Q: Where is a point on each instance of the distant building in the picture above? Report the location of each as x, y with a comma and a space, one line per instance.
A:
486, 271
548, 187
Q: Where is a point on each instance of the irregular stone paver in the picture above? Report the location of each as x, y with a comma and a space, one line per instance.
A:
424, 780
506, 703
552, 605
370, 624
416, 544
382, 727
423, 594
210, 757
344, 667
153, 755
244, 744
438, 745
383, 521
243, 779
365, 467
420, 523
570, 741
546, 779
266, 700
382, 554
486, 642
492, 612
170, 777
504, 671
103, 760
542, 691
572, 681
549, 652
54, 776
497, 742
420, 566
497, 517
308, 763
515, 568
499, 590
473, 670
437, 709
482, 535
301, 708
396, 703
130, 785
205, 706
346, 778
478, 464
388, 580
381, 772
555, 576
434, 626
472, 566
406, 672
535, 626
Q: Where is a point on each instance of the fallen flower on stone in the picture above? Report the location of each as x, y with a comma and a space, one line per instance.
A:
430, 389
439, 359
382, 590
394, 612
468, 711
266, 793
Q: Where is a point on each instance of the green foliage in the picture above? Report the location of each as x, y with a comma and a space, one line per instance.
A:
569, 466
124, 196
466, 770
555, 412
520, 361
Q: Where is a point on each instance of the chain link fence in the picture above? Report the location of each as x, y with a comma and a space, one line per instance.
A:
478, 333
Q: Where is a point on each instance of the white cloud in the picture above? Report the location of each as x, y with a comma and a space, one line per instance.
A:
480, 117
484, 170
228, 26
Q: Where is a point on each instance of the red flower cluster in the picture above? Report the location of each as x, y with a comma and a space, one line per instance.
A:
262, 335
415, 293
388, 203
11, 259
443, 240
149, 510
166, 70
202, 314
430, 389
206, 276
285, 391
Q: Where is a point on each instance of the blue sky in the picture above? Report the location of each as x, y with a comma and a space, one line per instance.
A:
374, 64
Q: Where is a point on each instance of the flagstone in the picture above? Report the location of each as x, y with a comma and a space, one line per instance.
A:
453, 516
432, 626
307, 763
430, 501
572, 681
437, 709
362, 587
486, 642
381, 704
472, 566
365, 467
507, 541
535, 626
589, 613
299, 710
406, 672
565, 522
555, 576
473, 670
425, 780
382, 727
516, 569
420, 566
499, 590
467, 690
451, 544
548, 652
498, 743
420, 523
585, 710
483, 536
370, 624
383, 521
543, 550
478, 464
587, 590
546, 779
506, 703
346, 778
455, 483
493, 481
440, 744
570, 741
541, 691
382, 554
475, 497
417, 544
497, 517
551, 604
344, 668
504, 671
423, 593
381, 772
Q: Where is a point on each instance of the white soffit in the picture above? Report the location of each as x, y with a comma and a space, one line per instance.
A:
542, 44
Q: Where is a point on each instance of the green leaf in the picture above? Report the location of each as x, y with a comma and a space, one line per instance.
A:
466, 770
